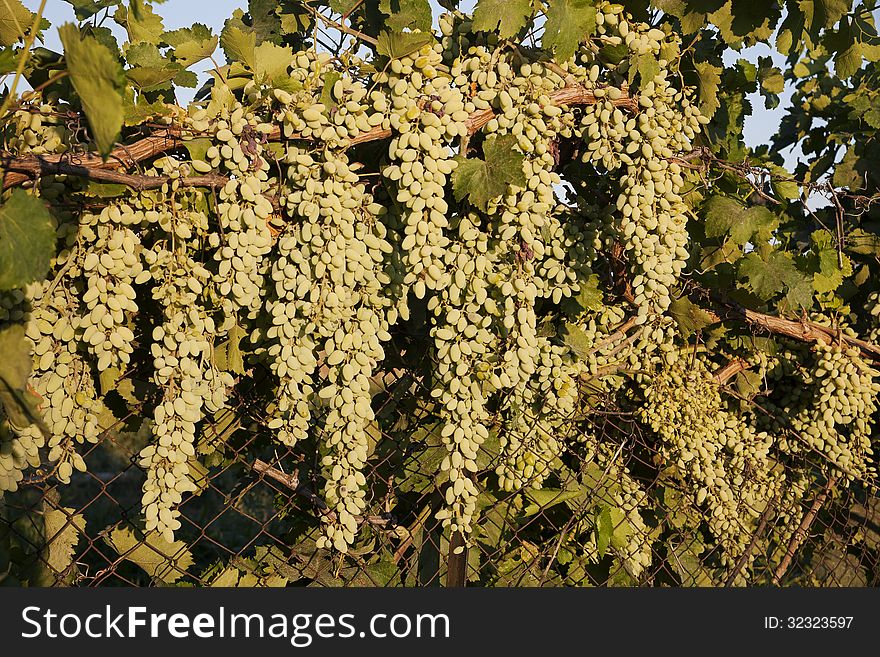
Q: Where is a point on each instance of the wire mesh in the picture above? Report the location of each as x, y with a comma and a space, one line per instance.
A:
609, 514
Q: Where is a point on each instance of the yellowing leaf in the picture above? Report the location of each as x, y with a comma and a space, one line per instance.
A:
161, 560
63, 529
15, 21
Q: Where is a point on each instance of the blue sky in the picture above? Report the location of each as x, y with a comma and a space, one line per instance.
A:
181, 13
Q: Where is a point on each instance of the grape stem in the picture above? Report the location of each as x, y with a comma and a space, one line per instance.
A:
801, 532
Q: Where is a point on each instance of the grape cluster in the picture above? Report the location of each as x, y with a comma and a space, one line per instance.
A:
838, 421
330, 310
244, 208
39, 131
183, 367
61, 379
717, 454
111, 267
425, 113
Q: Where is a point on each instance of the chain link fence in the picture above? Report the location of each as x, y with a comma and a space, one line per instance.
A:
610, 514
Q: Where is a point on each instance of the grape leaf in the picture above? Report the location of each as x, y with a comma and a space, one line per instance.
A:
483, 180
151, 69
327, 99
863, 243
161, 560
818, 14
507, 16
646, 65
140, 22
192, 44
847, 50
19, 404
577, 340
99, 82
787, 189
227, 355
689, 316
407, 14
27, 240
829, 274
709, 78
604, 530
727, 216
769, 277
569, 23
400, 44
15, 21
272, 62
799, 294
238, 45
63, 528
589, 297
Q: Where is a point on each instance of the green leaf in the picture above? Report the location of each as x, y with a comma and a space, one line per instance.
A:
829, 275
272, 63
848, 60
769, 277
161, 560
589, 296
198, 147
646, 65
227, 355
819, 14
506, 16
99, 82
138, 112
604, 530
727, 216
327, 99
569, 23
785, 189
63, 529
748, 383
141, 23
27, 240
15, 22
483, 180
709, 78
15, 369
238, 45
863, 243
192, 44
407, 14
545, 498
400, 44
684, 558
577, 340
689, 316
